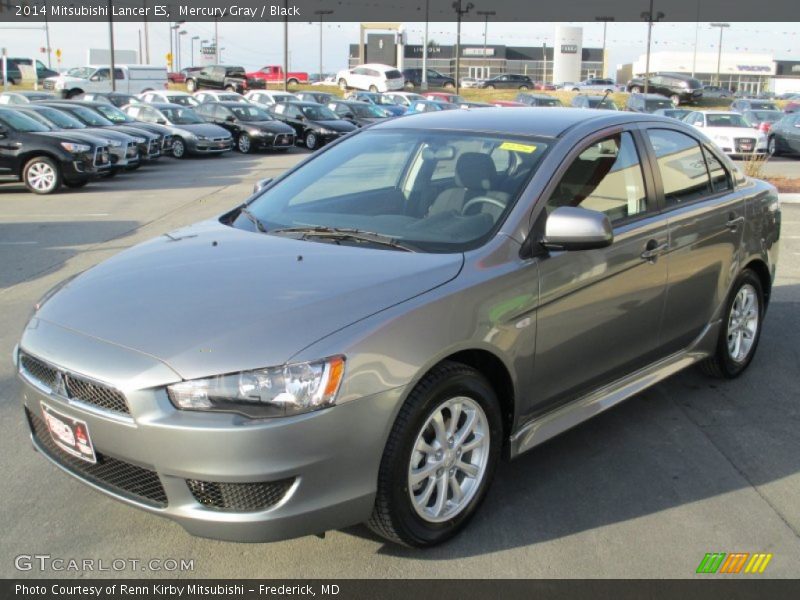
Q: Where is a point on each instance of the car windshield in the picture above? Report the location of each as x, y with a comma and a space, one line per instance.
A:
181, 116
81, 72
283, 97
406, 185
88, 116
113, 114
182, 100
763, 106
550, 102
377, 99
759, 116
39, 118
21, 122
655, 104
600, 103
368, 111
726, 120
61, 119
231, 98
318, 112
250, 113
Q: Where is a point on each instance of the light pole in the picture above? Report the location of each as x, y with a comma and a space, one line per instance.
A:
460, 12
605, 21
146, 36
486, 14
649, 17
696, 35
194, 37
111, 44
173, 45
321, 14
180, 33
286, 47
424, 81
47, 35
722, 27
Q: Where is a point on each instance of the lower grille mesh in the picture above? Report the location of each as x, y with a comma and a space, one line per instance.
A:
239, 497
109, 473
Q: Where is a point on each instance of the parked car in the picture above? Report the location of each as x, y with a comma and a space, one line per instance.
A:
445, 97
371, 77
222, 77
762, 119
217, 96
792, 106
730, 131
318, 97
170, 97
251, 126
179, 77
357, 112
275, 74
394, 315
537, 100
129, 79
673, 113
595, 84
423, 106
19, 69
44, 160
544, 86
435, 79
381, 100
677, 87
123, 149
715, 91
598, 102
266, 98
468, 82
132, 126
507, 103
114, 98
506, 81
23, 97
404, 99
784, 136
314, 124
743, 104
190, 133
647, 103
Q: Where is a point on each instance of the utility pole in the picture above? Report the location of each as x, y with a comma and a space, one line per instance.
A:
216, 40
194, 37
649, 17
146, 36
111, 42
321, 14
605, 21
424, 81
486, 14
47, 35
696, 35
460, 12
722, 27
286, 47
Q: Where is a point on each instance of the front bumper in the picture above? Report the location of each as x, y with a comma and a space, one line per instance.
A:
320, 469
213, 146
272, 141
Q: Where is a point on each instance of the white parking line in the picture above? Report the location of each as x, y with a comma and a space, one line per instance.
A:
50, 216
18, 243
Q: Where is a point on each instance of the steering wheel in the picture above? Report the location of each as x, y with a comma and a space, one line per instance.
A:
483, 200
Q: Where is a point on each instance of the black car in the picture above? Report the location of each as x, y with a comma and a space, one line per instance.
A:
358, 113
318, 97
784, 135
538, 100
507, 81
252, 127
222, 77
647, 103
117, 117
44, 160
117, 99
598, 102
744, 104
433, 77
14, 72
677, 87
313, 123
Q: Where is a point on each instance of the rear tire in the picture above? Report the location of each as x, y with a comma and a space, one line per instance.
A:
741, 329
292, 81
676, 99
636, 89
448, 85
373, 88
425, 435
42, 175
343, 84
523, 87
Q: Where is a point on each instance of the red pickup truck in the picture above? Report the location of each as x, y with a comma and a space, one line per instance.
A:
274, 73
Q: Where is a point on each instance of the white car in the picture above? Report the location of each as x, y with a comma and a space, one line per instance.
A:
404, 98
371, 77
730, 131
266, 98
129, 79
469, 82
219, 96
169, 97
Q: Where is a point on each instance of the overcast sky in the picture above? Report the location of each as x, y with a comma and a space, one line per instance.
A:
256, 44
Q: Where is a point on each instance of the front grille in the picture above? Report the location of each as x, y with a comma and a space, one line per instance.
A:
49, 85
75, 387
239, 497
101, 157
109, 473
155, 147
219, 139
282, 140
166, 143
740, 144
132, 150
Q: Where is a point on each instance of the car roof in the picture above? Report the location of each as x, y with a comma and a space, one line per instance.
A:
717, 112
230, 104
162, 105
28, 94
170, 93
525, 121
91, 103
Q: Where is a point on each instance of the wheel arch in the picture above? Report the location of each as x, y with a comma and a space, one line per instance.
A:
760, 268
28, 156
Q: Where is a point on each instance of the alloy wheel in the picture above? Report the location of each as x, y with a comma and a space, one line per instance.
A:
41, 177
243, 143
311, 140
743, 322
178, 148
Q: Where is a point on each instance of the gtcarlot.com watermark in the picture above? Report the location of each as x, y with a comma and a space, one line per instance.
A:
57, 564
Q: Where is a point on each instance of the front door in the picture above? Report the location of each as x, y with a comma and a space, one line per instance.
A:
600, 310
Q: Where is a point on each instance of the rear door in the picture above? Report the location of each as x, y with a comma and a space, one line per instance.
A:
706, 222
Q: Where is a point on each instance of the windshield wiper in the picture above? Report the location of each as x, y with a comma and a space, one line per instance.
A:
341, 233
253, 219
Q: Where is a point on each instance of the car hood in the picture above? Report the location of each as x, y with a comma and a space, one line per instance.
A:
76, 136
106, 132
151, 127
269, 126
207, 129
737, 132
211, 299
135, 131
336, 125
395, 110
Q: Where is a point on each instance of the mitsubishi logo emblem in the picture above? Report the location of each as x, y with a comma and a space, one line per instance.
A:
60, 386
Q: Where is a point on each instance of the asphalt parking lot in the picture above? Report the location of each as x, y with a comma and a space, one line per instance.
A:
691, 466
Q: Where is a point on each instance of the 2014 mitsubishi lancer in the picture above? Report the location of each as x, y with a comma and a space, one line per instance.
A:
365, 337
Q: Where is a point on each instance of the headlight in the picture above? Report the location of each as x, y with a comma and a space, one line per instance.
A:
75, 148
59, 85
722, 138
272, 392
139, 140
114, 143
324, 131
203, 137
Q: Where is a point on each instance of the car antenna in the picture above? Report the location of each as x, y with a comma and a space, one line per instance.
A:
604, 97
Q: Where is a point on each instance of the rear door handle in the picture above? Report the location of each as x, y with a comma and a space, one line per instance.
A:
734, 222
653, 250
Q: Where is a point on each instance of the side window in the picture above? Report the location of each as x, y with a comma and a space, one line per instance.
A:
606, 177
119, 74
134, 111
682, 166
101, 75
720, 179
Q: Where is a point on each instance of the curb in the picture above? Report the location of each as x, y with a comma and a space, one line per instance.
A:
789, 198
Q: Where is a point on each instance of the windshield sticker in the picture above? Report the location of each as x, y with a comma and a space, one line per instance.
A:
516, 147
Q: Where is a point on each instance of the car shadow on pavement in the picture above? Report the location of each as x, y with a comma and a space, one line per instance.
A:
685, 440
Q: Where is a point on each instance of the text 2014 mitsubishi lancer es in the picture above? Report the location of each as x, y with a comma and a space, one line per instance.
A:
365, 337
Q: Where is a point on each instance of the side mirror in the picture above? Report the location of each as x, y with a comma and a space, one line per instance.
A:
230, 119
161, 121
261, 184
3, 131
572, 228
349, 115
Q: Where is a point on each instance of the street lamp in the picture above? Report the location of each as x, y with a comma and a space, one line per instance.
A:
486, 14
321, 14
180, 33
194, 37
460, 12
605, 21
111, 44
722, 27
649, 17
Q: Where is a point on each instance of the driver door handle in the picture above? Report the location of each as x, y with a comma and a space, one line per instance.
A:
653, 250
734, 222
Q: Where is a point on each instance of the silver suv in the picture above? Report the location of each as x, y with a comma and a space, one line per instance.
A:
365, 337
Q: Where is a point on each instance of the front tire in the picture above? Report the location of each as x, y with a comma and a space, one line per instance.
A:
243, 143
440, 458
636, 90
311, 140
342, 84
191, 86
178, 148
523, 87
41, 175
772, 146
676, 99
741, 328
449, 85
373, 88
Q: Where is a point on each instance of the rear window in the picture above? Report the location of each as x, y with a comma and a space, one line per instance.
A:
393, 74
234, 72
